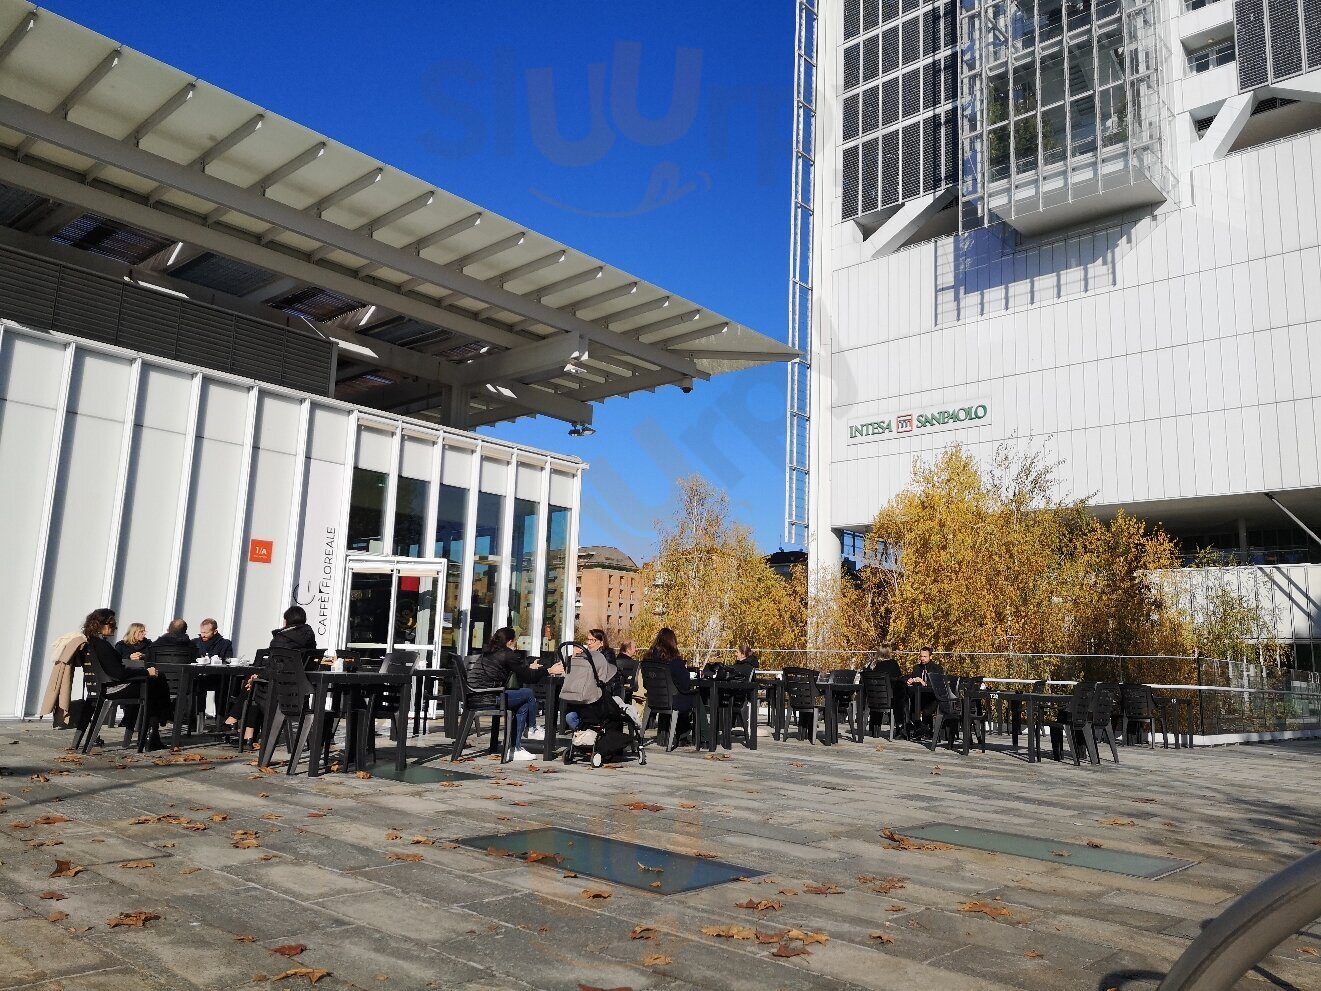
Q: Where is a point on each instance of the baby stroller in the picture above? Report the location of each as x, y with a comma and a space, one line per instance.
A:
607, 727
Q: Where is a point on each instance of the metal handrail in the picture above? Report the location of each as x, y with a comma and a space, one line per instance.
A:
1241, 936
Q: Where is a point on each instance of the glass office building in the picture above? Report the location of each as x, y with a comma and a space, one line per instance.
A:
1121, 267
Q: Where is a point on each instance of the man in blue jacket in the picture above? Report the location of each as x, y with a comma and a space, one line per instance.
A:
210, 643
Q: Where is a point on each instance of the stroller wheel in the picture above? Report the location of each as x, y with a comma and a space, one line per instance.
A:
597, 760
568, 753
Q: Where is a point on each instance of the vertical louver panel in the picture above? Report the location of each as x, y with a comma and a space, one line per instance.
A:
889, 11
149, 322
87, 305
848, 125
1250, 43
911, 36
912, 92
307, 363
871, 14
27, 290
871, 58
870, 184
890, 168
1286, 41
871, 110
849, 184
1312, 32
910, 167
930, 153
852, 66
890, 102
852, 19
889, 50
951, 156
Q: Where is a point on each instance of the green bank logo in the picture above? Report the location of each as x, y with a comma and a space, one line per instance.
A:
973, 414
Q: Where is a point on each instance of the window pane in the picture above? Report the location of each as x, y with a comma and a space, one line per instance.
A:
369, 609
522, 567
367, 512
410, 515
451, 520
486, 570
557, 567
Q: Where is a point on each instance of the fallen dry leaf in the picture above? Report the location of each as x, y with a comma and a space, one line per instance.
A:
568, 874
656, 960
791, 950
65, 868
592, 894
136, 865
40, 779
135, 919
422, 841
688, 805
245, 939
1309, 950
1118, 822
990, 911
823, 889
411, 858
363, 775
702, 854
392, 835
731, 932
642, 932
717, 757
807, 937
760, 905
896, 908
51, 820
219, 817
898, 842
289, 949
189, 870
312, 974
1033, 955
644, 807
786, 891
536, 857
1094, 844
57, 916
1060, 853
53, 896
493, 851
882, 938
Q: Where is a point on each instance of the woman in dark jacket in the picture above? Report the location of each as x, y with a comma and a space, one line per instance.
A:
98, 628
493, 667
665, 648
294, 635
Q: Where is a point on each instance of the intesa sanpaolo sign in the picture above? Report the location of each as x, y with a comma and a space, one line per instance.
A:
918, 420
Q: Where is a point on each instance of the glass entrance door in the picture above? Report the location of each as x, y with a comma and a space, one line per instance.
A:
395, 604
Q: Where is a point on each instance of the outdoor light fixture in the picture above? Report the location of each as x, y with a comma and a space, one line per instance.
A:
368, 315
581, 430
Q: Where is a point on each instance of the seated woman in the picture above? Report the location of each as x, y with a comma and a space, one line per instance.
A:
294, 635
665, 649
98, 627
134, 645
493, 667
581, 692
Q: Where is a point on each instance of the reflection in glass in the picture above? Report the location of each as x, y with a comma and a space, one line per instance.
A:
369, 609
1053, 131
1113, 116
998, 152
997, 97
415, 610
557, 570
367, 512
1052, 77
1025, 145
486, 569
523, 566
410, 515
1082, 115
1082, 69
1110, 57
451, 521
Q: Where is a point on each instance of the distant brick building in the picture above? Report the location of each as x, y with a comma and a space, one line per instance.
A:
608, 591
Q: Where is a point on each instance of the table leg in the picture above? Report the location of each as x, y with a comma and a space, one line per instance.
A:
317, 743
551, 744
185, 691
1033, 742
452, 708
401, 726
967, 722
753, 718
1015, 720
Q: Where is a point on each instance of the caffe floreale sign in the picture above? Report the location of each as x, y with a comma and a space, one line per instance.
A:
917, 421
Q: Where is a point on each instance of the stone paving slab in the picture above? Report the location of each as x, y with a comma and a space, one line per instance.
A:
333, 869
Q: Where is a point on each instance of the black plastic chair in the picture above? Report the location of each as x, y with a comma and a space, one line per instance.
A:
801, 699
951, 701
290, 704
107, 696
1072, 718
1099, 724
877, 700
477, 702
736, 692
179, 654
1138, 705
382, 702
848, 701
661, 693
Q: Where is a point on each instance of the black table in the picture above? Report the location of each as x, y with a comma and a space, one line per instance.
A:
834, 693
354, 683
189, 676
736, 691
1015, 699
422, 676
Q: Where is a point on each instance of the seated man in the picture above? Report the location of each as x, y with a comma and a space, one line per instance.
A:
176, 641
921, 700
210, 643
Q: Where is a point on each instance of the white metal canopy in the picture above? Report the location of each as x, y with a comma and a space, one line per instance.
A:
442, 309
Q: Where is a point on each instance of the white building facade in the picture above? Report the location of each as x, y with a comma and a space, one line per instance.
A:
1088, 227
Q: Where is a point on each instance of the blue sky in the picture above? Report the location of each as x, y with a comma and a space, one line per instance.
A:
686, 185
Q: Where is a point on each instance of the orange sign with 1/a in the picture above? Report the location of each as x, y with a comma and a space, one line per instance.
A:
261, 551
